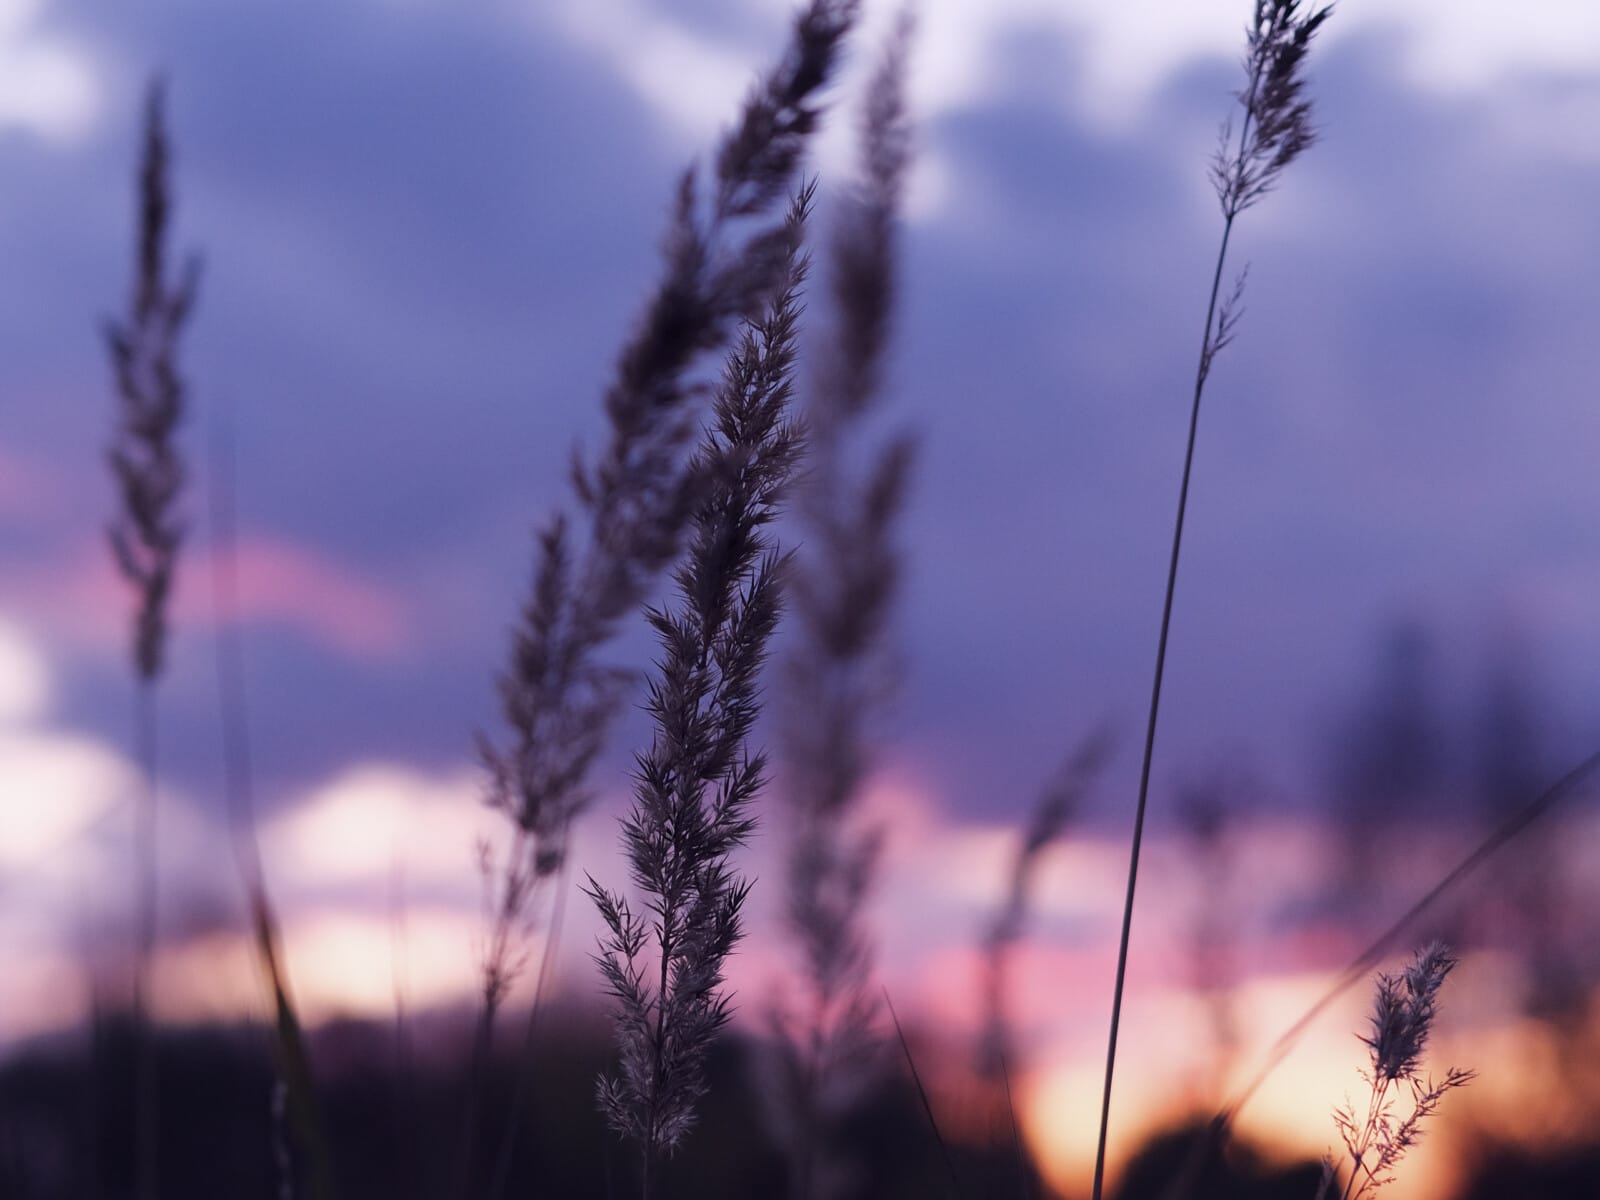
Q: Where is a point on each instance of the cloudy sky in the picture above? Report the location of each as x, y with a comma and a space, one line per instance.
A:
427, 224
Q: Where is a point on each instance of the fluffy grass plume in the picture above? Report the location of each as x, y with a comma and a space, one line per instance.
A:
1275, 127
145, 537
723, 262
724, 259
639, 494
695, 785
1400, 1096
836, 672
143, 346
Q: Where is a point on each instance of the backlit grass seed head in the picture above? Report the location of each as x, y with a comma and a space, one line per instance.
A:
757, 160
839, 671
1404, 1010
640, 492
1401, 1098
695, 784
146, 534
1277, 117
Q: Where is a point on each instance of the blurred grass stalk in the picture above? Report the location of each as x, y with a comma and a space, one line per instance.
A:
838, 674
1514, 826
1274, 129
1058, 804
695, 786
145, 537
726, 257
294, 1095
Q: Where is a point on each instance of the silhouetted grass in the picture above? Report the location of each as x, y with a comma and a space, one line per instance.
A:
837, 673
683, 482
724, 262
1274, 129
145, 538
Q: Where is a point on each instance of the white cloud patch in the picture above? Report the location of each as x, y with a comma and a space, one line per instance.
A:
24, 677
691, 82
376, 821
1468, 45
1102, 60
47, 87
1129, 48
52, 789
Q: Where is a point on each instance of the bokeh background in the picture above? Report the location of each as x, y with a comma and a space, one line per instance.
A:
426, 227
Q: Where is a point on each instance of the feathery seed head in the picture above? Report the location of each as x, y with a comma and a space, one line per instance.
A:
1277, 116
1403, 1015
695, 785
1404, 1010
146, 535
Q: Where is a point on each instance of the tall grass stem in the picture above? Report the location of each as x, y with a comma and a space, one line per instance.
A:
519, 1094
922, 1095
1155, 709
1275, 129
294, 1103
147, 1086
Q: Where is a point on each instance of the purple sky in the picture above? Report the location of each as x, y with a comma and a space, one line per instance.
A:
427, 225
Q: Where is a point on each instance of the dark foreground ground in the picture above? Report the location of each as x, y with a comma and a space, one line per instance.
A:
396, 1118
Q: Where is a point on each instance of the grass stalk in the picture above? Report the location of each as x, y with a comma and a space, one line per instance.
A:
521, 1089
147, 812
694, 787
922, 1096
724, 260
838, 675
294, 1099
1018, 1150
145, 538
1059, 802
1362, 964
1274, 129
1401, 1096
1148, 754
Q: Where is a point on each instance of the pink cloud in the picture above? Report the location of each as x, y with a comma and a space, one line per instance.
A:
79, 597
284, 583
